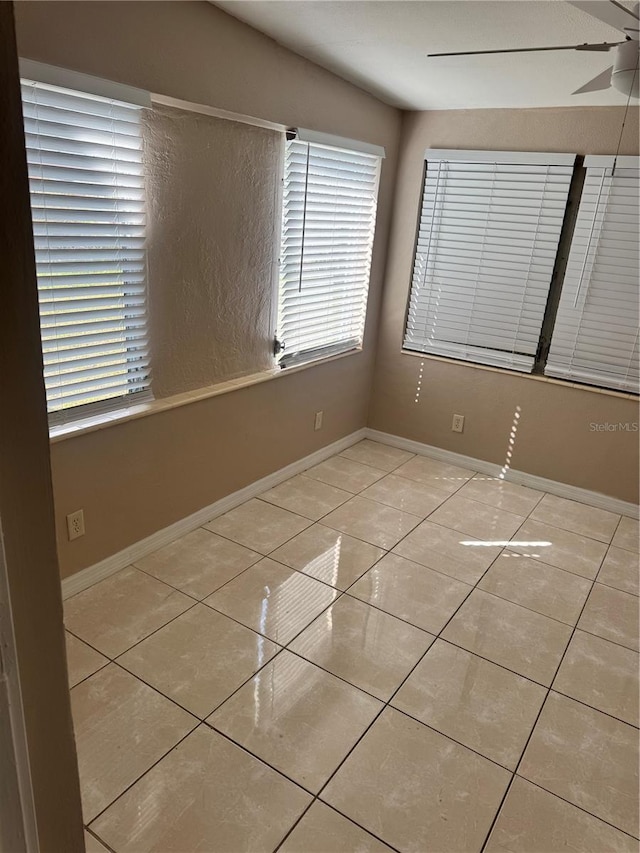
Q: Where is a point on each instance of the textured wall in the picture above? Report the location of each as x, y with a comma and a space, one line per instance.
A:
214, 209
135, 478
554, 438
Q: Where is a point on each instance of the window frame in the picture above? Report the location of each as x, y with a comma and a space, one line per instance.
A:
500, 158
555, 288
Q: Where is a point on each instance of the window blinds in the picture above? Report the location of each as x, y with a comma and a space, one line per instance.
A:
488, 236
87, 201
329, 210
595, 339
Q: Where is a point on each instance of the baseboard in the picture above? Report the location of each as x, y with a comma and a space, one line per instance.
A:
99, 571
562, 490
87, 577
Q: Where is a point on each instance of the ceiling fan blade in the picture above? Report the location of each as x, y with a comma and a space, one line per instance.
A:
608, 11
602, 81
604, 46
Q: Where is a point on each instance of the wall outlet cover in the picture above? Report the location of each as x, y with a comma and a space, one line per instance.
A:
457, 425
75, 525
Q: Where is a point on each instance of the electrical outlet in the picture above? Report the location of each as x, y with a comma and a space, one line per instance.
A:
75, 525
457, 425
317, 424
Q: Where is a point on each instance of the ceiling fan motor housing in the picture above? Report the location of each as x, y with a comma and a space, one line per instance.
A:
625, 68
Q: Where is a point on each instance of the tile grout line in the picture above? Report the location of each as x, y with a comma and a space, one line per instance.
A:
613, 642
283, 648
87, 677
115, 660
475, 588
386, 705
617, 589
586, 705
350, 820
142, 775
569, 803
203, 720
490, 478
200, 600
338, 596
271, 660
438, 636
460, 532
533, 729
320, 519
346, 591
142, 639
92, 833
340, 593
386, 473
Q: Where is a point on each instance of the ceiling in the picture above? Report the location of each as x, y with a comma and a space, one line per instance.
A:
382, 47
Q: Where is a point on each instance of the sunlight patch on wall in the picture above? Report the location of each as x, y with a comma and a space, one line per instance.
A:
512, 441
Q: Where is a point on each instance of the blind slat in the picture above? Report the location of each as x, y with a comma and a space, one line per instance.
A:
329, 208
595, 338
485, 252
87, 199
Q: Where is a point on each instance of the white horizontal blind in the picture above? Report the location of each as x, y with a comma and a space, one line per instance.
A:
329, 211
595, 338
87, 201
487, 242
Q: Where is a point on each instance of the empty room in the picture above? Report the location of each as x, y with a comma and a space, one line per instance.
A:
319, 446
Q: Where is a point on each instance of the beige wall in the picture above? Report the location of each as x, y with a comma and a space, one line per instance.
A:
554, 438
29, 588
135, 478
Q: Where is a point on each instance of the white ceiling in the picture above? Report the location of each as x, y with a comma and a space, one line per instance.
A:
381, 46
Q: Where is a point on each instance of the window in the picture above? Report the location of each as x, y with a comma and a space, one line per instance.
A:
595, 338
88, 210
329, 211
488, 236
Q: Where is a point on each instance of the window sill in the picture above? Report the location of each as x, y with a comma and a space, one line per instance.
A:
142, 410
610, 392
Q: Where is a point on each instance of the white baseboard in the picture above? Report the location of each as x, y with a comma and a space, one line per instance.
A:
562, 490
87, 577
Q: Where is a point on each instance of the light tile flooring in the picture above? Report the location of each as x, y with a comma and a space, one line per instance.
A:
384, 653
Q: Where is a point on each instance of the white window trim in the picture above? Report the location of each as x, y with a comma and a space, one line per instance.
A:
331, 141
98, 411
86, 83
133, 410
608, 161
528, 158
514, 374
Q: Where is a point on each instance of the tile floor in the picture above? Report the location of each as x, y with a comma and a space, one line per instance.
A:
384, 653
